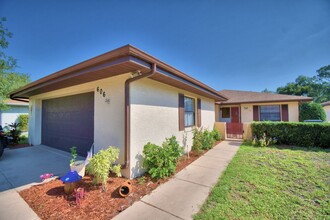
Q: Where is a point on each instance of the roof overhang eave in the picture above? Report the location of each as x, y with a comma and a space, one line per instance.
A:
264, 101
127, 59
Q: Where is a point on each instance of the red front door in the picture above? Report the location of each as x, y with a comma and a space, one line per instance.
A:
234, 114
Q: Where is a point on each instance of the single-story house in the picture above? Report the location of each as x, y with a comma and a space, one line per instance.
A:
10, 115
123, 98
326, 107
244, 106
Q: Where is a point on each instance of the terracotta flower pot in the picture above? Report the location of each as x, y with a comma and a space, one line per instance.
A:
78, 166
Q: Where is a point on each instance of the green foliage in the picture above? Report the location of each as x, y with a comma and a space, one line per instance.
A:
324, 73
74, 154
272, 183
263, 141
23, 139
312, 110
141, 180
294, 133
9, 79
23, 122
160, 162
14, 132
267, 91
101, 163
203, 139
216, 135
317, 86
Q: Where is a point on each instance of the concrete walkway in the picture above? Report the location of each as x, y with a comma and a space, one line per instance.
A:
182, 196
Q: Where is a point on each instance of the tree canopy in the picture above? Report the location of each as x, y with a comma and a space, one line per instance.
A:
312, 111
10, 80
317, 86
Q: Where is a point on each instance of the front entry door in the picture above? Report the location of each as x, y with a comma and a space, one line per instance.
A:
234, 128
234, 114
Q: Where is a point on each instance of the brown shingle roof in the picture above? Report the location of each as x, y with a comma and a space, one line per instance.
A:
325, 103
237, 97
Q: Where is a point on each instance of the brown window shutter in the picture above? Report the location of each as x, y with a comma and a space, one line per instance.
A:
255, 113
199, 113
181, 112
285, 113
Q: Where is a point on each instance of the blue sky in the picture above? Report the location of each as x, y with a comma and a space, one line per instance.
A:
244, 44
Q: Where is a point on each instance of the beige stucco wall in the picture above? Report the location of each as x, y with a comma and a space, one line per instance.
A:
108, 118
327, 111
247, 110
154, 117
221, 127
247, 134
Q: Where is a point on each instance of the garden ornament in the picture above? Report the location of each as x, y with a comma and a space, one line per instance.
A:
125, 189
45, 176
80, 194
70, 180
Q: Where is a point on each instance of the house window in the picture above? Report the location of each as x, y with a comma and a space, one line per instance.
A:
225, 112
270, 113
189, 111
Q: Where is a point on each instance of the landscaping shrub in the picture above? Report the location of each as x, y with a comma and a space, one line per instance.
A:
294, 133
14, 132
101, 163
203, 139
160, 162
216, 135
23, 139
312, 110
23, 122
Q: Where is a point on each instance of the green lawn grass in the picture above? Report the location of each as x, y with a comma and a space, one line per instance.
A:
272, 183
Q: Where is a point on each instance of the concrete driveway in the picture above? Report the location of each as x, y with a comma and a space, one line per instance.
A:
20, 167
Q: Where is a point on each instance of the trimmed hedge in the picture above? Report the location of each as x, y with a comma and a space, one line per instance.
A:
294, 133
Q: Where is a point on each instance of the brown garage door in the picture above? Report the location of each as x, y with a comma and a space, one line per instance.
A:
69, 121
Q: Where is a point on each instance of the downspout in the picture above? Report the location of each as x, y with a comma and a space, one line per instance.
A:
128, 113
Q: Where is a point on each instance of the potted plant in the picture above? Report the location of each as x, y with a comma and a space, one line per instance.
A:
76, 165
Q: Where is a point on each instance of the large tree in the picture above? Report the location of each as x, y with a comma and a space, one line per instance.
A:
9, 78
317, 86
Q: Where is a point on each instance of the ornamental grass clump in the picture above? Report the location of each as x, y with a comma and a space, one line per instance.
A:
160, 161
102, 163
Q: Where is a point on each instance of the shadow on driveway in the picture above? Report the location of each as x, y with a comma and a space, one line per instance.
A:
23, 166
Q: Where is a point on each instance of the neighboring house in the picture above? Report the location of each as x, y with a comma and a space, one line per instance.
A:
15, 109
124, 98
326, 107
243, 106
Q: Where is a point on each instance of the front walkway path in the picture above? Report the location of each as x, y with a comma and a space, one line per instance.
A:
182, 196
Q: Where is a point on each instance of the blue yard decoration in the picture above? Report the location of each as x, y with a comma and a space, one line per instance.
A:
71, 177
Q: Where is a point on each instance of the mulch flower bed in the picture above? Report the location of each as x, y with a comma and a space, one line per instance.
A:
17, 146
49, 201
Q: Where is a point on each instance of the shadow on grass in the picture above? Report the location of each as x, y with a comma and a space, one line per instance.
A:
291, 147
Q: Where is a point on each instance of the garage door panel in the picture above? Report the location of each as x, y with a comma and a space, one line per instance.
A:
69, 121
